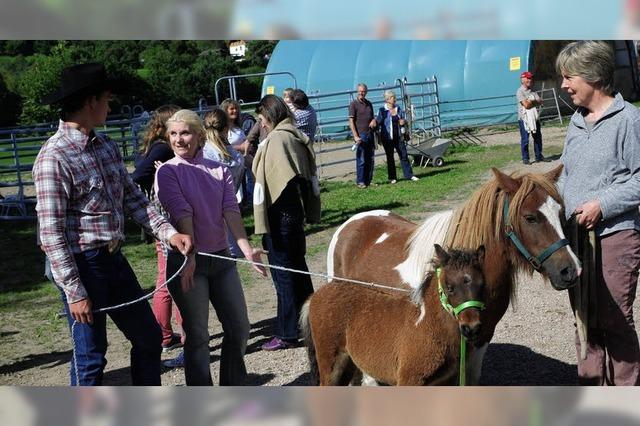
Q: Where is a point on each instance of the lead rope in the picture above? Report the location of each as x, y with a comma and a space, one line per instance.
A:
444, 301
313, 274
282, 268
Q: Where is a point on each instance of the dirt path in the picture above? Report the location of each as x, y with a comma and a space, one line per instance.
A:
532, 344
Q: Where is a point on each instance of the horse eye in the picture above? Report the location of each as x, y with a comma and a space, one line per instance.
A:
450, 290
531, 218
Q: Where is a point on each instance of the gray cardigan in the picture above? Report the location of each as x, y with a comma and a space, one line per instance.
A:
604, 164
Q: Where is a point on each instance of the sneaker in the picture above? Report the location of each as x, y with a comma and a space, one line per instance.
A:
176, 362
361, 185
393, 181
176, 342
276, 344
542, 160
415, 178
526, 162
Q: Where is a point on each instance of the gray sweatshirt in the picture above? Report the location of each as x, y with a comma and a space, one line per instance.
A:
604, 164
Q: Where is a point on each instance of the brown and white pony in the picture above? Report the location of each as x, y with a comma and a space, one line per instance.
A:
390, 337
382, 247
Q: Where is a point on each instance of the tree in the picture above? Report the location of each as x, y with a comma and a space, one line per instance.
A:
40, 79
182, 73
259, 52
10, 105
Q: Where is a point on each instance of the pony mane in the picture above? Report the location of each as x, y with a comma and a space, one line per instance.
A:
420, 249
479, 220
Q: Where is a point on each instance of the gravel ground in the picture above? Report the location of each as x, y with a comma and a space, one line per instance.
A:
533, 344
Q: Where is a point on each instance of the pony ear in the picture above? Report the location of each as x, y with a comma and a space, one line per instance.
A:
480, 254
442, 255
505, 182
554, 175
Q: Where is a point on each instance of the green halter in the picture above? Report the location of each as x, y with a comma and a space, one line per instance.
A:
455, 311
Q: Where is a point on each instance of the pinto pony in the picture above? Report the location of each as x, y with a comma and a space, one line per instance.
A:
516, 218
392, 338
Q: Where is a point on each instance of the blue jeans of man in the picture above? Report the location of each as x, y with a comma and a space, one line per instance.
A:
287, 247
524, 142
216, 281
109, 280
364, 159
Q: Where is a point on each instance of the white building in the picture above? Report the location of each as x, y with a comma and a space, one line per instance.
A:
238, 48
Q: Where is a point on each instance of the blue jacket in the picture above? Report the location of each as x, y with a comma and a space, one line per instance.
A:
384, 121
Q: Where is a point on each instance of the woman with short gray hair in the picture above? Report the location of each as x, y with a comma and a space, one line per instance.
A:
600, 185
391, 121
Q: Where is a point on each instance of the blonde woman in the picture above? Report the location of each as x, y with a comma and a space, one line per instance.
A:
200, 198
391, 120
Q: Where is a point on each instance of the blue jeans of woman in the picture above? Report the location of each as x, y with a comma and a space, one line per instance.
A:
109, 280
396, 144
216, 281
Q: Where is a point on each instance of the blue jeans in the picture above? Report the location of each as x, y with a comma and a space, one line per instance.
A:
216, 281
109, 280
286, 247
401, 148
364, 159
524, 142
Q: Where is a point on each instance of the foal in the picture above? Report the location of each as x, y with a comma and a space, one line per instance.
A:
395, 340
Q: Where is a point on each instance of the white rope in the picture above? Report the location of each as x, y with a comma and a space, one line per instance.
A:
313, 274
184, 264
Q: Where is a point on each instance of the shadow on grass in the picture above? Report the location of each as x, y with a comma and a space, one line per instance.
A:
39, 361
22, 263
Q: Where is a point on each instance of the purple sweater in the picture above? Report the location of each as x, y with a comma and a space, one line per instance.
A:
202, 189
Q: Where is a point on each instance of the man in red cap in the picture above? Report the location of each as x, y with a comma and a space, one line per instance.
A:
528, 118
84, 191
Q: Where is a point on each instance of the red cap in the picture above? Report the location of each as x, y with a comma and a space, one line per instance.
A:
526, 74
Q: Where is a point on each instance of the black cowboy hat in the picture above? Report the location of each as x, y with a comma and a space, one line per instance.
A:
79, 77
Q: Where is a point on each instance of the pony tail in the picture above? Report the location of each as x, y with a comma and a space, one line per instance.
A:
305, 328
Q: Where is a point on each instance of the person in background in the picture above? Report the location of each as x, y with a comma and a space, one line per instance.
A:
362, 123
83, 191
305, 116
216, 148
528, 118
155, 148
600, 185
238, 140
286, 194
392, 120
287, 97
199, 196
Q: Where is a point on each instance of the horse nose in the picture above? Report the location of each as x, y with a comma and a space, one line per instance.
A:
470, 331
569, 275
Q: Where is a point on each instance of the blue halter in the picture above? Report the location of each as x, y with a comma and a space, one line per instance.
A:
535, 261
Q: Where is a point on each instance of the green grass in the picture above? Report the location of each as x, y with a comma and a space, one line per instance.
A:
23, 286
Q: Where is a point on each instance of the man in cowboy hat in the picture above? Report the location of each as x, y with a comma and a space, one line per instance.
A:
528, 119
83, 192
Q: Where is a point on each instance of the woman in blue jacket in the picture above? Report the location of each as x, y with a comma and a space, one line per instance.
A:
391, 121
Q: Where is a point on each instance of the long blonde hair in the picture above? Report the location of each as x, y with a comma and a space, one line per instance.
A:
215, 127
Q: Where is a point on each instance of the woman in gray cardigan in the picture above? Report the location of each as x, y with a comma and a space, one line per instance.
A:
600, 185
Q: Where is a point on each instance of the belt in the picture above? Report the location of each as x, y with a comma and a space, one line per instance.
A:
114, 245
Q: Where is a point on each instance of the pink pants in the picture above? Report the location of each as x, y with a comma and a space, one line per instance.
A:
613, 354
162, 301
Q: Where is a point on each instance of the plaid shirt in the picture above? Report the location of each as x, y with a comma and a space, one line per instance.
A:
307, 121
83, 191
